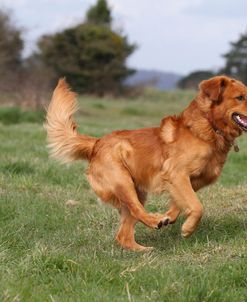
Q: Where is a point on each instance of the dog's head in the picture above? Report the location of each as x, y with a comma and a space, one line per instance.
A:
227, 101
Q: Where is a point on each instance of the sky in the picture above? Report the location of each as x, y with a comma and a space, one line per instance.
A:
172, 35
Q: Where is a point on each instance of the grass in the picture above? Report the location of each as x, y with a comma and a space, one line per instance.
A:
53, 252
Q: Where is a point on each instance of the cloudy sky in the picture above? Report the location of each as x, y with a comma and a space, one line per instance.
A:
172, 35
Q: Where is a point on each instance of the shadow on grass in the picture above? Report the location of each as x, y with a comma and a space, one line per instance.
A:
216, 230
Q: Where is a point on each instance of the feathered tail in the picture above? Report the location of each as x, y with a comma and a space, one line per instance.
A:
64, 141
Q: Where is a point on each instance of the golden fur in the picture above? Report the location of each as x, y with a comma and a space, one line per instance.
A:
182, 155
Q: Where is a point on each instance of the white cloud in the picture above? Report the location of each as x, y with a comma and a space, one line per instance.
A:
220, 9
16, 3
141, 8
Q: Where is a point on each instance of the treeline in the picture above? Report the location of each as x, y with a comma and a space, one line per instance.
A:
235, 66
91, 55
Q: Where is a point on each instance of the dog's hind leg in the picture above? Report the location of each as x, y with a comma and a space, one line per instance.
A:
126, 233
128, 196
115, 186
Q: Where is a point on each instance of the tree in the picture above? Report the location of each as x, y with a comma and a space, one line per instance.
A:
236, 59
192, 80
99, 14
11, 43
91, 56
25, 80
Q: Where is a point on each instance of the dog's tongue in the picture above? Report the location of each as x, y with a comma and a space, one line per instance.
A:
243, 118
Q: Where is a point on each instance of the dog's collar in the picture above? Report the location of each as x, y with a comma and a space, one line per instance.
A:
218, 131
231, 143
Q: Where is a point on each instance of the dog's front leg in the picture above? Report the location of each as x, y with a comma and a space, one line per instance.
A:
185, 198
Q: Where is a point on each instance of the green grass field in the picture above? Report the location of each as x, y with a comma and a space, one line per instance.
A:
50, 251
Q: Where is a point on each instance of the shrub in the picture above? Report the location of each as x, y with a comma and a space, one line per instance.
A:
14, 115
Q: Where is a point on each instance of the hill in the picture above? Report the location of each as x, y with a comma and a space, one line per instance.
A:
159, 79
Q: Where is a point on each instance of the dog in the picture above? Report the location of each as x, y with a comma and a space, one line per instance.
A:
185, 153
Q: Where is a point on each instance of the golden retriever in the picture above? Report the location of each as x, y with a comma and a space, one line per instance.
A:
185, 153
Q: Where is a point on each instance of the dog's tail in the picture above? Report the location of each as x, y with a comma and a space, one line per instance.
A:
64, 141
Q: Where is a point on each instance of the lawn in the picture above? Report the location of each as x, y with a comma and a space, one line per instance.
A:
50, 251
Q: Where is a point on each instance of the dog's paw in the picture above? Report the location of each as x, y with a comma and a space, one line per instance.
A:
157, 221
187, 230
164, 222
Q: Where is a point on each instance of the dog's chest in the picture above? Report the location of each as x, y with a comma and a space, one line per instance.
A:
211, 170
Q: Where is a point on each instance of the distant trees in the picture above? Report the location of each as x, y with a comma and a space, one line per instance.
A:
236, 59
235, 66
21, 78
11, 43
11, 46
90, 55
192, 80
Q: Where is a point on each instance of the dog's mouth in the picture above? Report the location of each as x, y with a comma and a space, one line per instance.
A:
240, 120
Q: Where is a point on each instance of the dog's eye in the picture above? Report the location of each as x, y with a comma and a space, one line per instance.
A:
240, 98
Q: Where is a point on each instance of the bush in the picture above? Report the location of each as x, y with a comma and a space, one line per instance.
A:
36, 116
10, 115
14, 115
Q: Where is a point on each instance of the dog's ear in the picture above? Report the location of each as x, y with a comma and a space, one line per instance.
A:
214, 87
